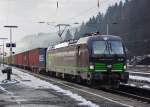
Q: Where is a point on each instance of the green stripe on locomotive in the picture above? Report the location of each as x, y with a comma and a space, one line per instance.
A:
102, 67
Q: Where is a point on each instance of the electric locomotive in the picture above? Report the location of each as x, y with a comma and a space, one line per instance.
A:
97, 60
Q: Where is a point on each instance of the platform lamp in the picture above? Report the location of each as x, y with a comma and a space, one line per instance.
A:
11, 27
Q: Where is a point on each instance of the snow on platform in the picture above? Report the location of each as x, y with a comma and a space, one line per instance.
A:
30, 81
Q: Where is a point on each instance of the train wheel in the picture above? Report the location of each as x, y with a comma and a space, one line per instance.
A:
89, 82
116, 84
56, 75
78, 79
38, 71
62, 76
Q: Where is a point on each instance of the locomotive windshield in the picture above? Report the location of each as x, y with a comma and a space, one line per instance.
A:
107, 47
116, 47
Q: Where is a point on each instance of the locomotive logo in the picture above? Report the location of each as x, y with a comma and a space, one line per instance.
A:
41, 58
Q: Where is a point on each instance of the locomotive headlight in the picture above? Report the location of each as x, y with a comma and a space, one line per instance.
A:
91, 66
125, 67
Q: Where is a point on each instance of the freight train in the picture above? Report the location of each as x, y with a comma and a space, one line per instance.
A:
95, 60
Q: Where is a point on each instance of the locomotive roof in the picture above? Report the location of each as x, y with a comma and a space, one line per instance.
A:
84, 40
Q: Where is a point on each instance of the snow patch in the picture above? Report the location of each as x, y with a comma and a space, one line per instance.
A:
2, 88
6, 82
140, 78
145, 86
133, 85
37, 83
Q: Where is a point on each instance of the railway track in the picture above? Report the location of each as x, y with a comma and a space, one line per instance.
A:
135, 92
124, 90
132, 92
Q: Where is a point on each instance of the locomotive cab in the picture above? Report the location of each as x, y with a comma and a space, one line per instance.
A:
107, 59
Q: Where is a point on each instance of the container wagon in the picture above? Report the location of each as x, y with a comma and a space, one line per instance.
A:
25, 59
19, 58
37, 59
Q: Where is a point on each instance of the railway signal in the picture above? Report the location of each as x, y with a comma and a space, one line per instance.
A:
10, 45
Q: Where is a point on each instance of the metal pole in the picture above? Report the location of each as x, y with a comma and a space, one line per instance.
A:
59, 31
3, 52
10, 46
0, 57
59, 34
107, 28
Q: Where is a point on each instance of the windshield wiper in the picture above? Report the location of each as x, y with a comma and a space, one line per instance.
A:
112, 51
106, 48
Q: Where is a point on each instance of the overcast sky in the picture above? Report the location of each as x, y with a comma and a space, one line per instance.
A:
27, 13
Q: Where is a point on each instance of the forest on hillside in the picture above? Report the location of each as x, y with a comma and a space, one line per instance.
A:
129, 20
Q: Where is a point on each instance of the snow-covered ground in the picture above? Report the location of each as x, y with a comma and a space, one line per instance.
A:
34, 82
140, 78
139, 81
